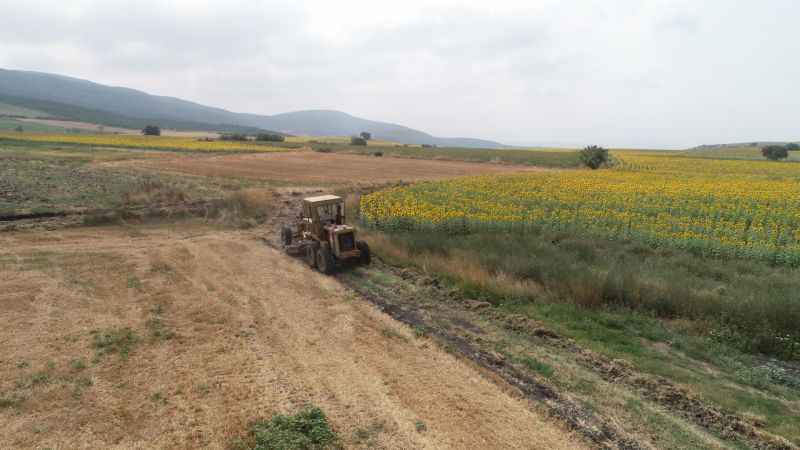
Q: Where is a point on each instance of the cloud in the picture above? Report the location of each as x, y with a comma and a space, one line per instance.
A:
624, 72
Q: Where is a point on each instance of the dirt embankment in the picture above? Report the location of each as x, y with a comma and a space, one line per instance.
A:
226, 330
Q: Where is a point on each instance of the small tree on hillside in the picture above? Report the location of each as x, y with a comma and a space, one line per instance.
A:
594, 156
19, 129
356, 140
151, 130
366, 135
233, 137
267, 137
792, 147
775, 152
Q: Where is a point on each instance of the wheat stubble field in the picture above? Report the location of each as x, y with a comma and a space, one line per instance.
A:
220, 329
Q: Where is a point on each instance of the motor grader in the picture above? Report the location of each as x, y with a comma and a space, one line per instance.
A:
321, 235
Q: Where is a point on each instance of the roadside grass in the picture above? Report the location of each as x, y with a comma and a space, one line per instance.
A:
557, 158
308, 429
747, 304
563, 281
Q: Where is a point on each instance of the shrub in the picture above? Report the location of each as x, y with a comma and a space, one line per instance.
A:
428, 146
267, 137
377, 154
116, 340
306, 430
151, 130
357, 140
19, 129
233, 137
775, 152
792, 147
594, 157
323, 150
366, 135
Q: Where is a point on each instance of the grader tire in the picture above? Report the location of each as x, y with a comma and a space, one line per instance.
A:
286, 236
366, 255
325, 262
311, 255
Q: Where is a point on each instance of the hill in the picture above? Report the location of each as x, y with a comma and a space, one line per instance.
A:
78, 99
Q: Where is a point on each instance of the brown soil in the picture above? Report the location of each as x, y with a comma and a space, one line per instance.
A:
229, 330
324, 168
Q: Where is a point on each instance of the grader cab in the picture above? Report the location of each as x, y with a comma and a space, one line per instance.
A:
322, 236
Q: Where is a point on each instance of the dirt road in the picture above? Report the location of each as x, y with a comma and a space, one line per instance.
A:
227, 330
312, 167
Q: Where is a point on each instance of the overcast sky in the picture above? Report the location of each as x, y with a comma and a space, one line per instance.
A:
637, 73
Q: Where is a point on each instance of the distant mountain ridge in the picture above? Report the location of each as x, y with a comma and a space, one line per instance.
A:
50, 92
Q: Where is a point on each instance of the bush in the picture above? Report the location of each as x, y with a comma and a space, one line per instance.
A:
594, 157
308, 429
233, 137
377, 154
792, 147
19, 129
323, 150
357, 140
366, 135
151, 130
775, 152
428, 146
266, 137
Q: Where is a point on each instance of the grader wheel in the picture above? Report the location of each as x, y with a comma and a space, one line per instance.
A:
325, 262
311, 255
286, 236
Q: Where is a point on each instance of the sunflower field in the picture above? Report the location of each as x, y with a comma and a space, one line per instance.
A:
143, 142
720, 208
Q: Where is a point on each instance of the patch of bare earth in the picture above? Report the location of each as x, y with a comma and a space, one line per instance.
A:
313, 167
227, 330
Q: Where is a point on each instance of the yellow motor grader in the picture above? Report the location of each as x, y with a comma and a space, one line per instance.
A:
322, 236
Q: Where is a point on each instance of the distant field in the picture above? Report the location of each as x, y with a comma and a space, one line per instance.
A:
334, 140
143, 142
12, 124
13, 110
558, 158
43, 179
324, 168
734, 152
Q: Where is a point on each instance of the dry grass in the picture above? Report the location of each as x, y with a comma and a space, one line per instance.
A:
460, 265
254, 333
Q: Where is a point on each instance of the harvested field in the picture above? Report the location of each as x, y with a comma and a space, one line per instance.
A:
313, 167
178, 337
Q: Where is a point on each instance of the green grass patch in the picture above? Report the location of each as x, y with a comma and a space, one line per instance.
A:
306, 430
120, 341
537, 366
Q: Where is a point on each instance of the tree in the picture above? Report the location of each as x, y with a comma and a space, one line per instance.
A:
151, 130
19, 129
356, 140
792, 147
267, 137
233, 137
366, 135
594, 156
775, 152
